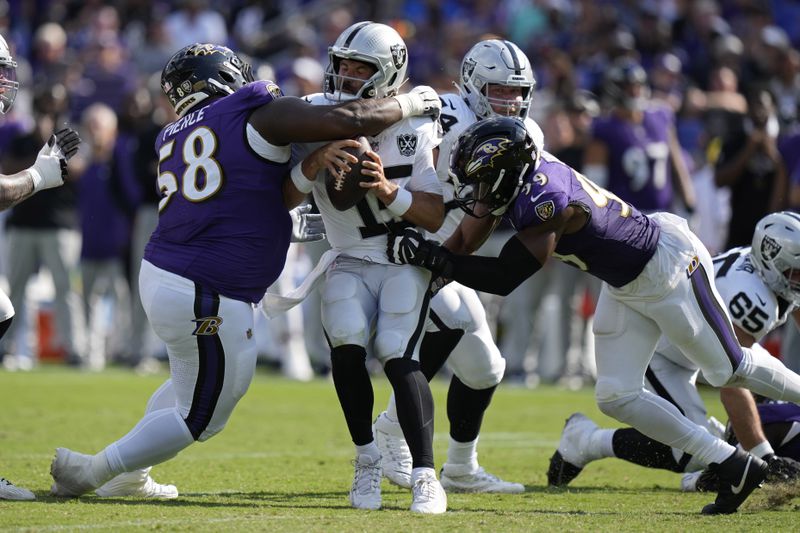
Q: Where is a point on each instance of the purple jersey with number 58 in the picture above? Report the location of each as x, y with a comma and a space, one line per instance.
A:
617, 241
222, 221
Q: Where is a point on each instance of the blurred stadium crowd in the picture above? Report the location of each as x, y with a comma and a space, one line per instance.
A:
97, 66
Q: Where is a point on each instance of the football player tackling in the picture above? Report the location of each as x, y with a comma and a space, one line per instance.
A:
656, 275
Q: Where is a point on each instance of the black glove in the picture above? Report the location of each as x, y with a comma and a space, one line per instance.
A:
411, 248
781, 469
68, 142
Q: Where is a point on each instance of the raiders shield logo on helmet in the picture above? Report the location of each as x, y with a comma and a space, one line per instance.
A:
545, 210
399, 55
407, 144
770, 248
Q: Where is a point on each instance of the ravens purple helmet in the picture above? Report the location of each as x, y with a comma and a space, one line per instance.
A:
199, 71
488, 163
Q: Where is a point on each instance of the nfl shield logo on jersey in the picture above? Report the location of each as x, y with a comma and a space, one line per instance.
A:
407, 144
545, 210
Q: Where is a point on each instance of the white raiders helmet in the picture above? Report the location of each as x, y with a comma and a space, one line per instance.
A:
8, 77
373, 43
497, 62
776, 249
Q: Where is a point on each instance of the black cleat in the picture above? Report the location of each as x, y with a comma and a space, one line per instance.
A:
739, 475
561, 472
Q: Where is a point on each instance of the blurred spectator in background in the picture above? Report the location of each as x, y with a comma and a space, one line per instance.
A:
752, 167
43, 232
107, 199
195, 22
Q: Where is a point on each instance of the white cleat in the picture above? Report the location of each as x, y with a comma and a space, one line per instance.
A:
9, 491
478, 481
427, 494
573, 451
396, 461
366, 490
72, 474
137, 483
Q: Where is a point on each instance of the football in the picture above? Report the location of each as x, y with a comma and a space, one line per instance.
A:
343, 189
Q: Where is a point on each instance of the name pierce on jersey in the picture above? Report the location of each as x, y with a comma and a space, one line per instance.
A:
185, 122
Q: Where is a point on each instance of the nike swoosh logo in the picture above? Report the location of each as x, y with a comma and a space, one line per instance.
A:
738, 488
760, 300
534, 198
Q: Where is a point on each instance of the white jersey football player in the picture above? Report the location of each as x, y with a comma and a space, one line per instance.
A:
363, 294
496, 79
760, 286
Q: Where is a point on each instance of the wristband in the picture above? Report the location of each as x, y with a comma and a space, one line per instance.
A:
303, 184
405, 104
765, 448
37, 179
401, 203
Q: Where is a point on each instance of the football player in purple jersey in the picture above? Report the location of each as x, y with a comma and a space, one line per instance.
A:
634, 150
47, 172
221, 240
760, 286
658, 279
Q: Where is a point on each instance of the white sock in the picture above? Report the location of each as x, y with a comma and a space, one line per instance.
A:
391, 410
370, 450
601, 443
159, 436
462, 457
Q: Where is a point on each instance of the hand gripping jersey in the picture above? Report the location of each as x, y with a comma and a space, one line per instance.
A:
617, 241
639, 170
406, 152
456, 116
222, 221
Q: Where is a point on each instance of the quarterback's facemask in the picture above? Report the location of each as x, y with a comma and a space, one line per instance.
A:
488, 163
776, 250
199, 71
8, 78
376, 44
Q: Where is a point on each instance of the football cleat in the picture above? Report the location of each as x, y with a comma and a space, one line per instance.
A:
9, 491
739, 475
428, 496
137, 483
366, 490
396, 458
72, 474
572, 453
478, 481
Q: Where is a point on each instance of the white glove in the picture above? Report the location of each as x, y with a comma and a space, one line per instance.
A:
306, 227
50, 167
421, 100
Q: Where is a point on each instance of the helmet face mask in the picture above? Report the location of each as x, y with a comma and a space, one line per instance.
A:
776, 253
496, 63
375, 44
625, 85
200, 71
8, 78
488, 163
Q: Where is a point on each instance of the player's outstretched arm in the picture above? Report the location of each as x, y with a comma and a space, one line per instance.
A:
289, 119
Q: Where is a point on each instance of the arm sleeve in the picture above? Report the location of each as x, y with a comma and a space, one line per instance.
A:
496, 275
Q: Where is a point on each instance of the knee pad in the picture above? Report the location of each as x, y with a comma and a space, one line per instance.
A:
342, 316
389, 344
612, 398
477, 362
618, 407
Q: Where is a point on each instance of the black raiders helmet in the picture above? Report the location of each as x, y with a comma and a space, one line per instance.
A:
199, 71
488, 162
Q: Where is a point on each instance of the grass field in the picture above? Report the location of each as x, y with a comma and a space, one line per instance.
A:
283, 464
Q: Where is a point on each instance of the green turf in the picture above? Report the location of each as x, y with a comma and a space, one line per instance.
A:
283, 464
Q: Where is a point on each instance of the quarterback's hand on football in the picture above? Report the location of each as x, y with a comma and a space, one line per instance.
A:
306, 227
382, 187
333, 157
411, 248
781, 469
421, 100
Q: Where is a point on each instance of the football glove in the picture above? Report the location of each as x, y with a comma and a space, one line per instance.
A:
50, 168
421, 100
781, 469
411, 248
306, 227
